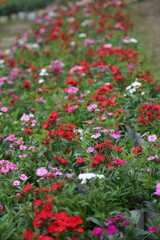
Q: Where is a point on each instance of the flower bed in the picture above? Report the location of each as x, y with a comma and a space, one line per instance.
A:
79, 129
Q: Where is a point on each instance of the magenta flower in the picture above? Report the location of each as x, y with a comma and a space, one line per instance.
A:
11, 137
152, 138
97, 231
152, 229
1, 208
111, 229
71, 109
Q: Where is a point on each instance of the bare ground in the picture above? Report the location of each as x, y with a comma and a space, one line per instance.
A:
9, 31
146, 17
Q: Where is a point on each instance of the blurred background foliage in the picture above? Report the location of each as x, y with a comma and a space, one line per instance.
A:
8, 7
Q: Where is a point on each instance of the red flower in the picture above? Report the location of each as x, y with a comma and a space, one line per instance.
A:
37, 222
137, 150
26, 84
37, 203
28, 233
27, 188
28, 131
80, 160
54, 114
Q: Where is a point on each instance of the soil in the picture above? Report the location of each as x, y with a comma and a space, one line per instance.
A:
146, 17
9, 31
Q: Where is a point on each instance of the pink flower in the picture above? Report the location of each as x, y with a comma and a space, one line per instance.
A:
97, 135
152, 138
97, 231
152, 157
115, 135
4, 109
41, 171
1, 208
22, 147
92, 107
111, 229
71, 109
40, 99
16, 183
23, 156
120, 161
69, 175
152, 229
90, 149
149, 169
11, 137
72, 90
25, 117
23, 177
157, 189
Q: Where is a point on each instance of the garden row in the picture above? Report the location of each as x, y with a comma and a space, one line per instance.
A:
79, 129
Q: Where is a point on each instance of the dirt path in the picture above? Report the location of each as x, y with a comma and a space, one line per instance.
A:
9, 31
146, 16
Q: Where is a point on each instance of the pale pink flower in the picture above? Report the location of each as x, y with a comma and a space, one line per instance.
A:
152, 138
69, 175
58, 173
92, 107
41, 171
97, 128
115, 135
157, 189
23, 177
16, 183
25, 117
4, 109
23, 156
149, 169
97, 135
152, 157
22, 147
71, 90
90, 149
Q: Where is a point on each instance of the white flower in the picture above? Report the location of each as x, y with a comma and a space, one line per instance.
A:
82, 35
86, 176
70, 19
43, 72
131, 40
32, 45
41, 80
132, 88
